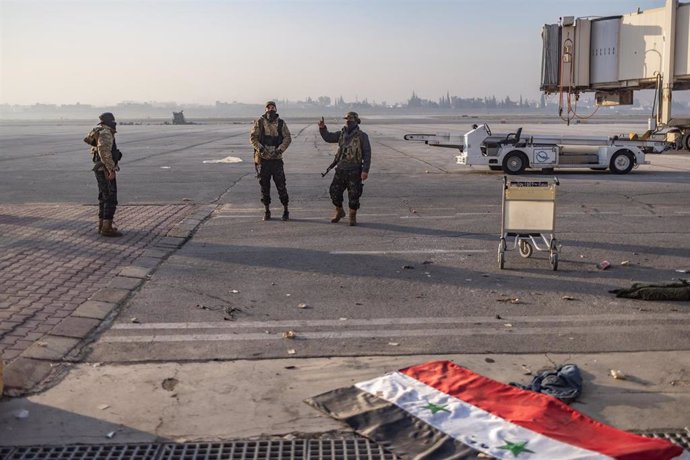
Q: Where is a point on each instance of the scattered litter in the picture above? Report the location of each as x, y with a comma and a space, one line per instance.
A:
169, 384
289, 437
291, 351
273, 284
513, 300
508, 325
42, 344
302, 305
289, 335
670, 291
342, 319
526, 370
111, 435
682, 270
230, 313
564, 383
625, 262
290, 367
103, 406
489, 360
603, 265
21, 414
134, 320
407, 267
288, 295
235, 291
568, 297
224, 160
393, 344
616, 374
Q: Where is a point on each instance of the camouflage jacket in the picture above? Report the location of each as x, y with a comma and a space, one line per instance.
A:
354, 149
264, 136
104, 138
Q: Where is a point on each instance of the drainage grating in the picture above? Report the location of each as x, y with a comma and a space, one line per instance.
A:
266, 449
279, 449
91, 452
682, 438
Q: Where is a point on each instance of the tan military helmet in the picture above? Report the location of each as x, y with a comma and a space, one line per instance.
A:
354, 115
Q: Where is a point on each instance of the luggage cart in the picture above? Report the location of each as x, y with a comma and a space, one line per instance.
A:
528, 219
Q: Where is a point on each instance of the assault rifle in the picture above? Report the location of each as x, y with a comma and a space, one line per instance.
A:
335, 162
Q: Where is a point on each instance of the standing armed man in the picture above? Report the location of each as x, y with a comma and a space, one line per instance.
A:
353, 161
105, 155
270, 137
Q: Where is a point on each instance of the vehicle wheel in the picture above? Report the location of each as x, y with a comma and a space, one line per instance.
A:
622, 162
686, 141
553, 260
525, 249
495, 168
514, 163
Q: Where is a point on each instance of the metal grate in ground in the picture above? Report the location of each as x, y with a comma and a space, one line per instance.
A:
265, 449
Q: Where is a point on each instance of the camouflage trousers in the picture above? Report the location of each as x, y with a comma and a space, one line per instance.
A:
350, 180
272, 169
107, 196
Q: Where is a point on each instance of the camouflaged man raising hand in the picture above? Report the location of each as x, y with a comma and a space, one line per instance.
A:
353, 161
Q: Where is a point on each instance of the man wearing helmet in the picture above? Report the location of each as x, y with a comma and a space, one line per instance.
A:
353, 161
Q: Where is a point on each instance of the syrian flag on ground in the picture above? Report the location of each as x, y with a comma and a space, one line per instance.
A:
440, 410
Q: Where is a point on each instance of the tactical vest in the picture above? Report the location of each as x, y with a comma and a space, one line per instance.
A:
92, 140
350, 153
267, 140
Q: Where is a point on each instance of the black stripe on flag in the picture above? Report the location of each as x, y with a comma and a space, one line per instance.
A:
390, 426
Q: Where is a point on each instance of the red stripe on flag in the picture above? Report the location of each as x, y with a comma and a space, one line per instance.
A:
540, 413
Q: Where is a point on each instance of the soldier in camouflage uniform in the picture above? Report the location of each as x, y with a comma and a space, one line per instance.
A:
105, 155
270, 137
353, 161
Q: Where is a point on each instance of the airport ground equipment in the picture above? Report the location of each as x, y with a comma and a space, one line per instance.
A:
614, 56
515, 152
528, 219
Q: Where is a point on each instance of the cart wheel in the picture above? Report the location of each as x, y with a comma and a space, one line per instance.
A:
525, 249
553, 260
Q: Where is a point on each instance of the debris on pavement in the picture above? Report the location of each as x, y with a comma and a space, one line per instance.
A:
664, 291
393, 344
568, 297
289, 334
41, 344
111, 434
564, 383
489, 360
291, 351
235, 291
526, 370
682, 270
616, 374
625, 262
508, 325
21, 414
513, 300
134, 320
103, 406
407, 267
603, 265
302, 305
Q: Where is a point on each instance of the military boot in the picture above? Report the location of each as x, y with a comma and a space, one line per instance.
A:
353, 217
267, 214
286, 214
339, 214
108, 229
100, 225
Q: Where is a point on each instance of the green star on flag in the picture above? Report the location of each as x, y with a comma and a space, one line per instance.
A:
516, 448
436, 407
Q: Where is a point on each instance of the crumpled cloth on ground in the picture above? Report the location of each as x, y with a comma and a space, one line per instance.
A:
644, 291
564, 383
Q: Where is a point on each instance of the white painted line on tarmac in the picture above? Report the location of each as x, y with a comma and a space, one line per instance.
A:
387, 333
402, 321
411, 251
460, 214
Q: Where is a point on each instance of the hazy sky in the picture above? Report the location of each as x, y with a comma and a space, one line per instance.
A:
107, 51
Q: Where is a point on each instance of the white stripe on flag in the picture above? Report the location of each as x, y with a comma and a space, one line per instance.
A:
469, 424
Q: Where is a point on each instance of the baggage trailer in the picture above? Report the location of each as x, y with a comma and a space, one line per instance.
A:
528, 216
515, 152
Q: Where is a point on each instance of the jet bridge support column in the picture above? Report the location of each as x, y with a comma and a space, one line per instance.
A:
669, 62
